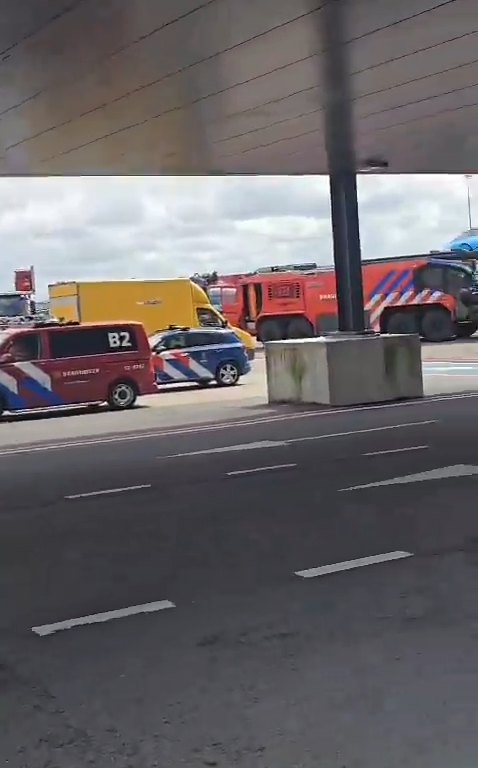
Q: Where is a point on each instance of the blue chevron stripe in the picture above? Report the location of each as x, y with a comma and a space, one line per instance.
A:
49, 397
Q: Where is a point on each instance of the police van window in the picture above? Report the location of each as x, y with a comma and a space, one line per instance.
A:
24, 347
174, 341
208, 318
198, 339
82, 342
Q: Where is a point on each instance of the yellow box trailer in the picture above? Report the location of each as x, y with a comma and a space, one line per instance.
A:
154, 303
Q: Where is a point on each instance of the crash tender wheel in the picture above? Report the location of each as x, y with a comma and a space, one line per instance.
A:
228, 374
122, 396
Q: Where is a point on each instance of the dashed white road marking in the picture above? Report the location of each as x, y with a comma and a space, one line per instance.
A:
292, 440
101, 618
348, 565
259, 469
108, 491
396, 450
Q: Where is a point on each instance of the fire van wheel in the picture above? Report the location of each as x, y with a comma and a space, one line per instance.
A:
401, 322
122, 395
227, 374
437, 325
300, 328
269, 330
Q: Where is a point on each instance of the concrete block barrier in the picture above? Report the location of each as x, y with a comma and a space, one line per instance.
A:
342, 369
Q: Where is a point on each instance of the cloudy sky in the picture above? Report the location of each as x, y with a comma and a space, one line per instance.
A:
161, 227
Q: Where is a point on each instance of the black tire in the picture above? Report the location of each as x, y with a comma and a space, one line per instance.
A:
2, 407
228, 374
401, 322
122, 396
270, 330
437, 326
466, 330
300, 328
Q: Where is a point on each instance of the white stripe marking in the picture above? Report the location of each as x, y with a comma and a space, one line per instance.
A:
348, 565
404, 299
282, 444
108, 491
260, 469
377, 312
199, 370
35, 373
172, 372
100, 618
452, 367
9, 382
423, 295
397, 450
376, 297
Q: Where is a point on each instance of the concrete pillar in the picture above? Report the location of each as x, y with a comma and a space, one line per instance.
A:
342, 166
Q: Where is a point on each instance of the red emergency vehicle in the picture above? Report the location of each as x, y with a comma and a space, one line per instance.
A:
226, 296
410, 294
48, 364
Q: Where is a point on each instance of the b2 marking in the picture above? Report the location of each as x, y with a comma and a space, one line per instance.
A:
119, 339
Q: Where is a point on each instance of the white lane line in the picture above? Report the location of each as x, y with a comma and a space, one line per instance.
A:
259, 469
108, 491
285, 443
13, 451
348, 565
397, 450
101, 618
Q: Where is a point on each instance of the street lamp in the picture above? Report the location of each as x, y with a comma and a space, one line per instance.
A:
468, 178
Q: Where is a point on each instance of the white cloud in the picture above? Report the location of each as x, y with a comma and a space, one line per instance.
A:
161, 227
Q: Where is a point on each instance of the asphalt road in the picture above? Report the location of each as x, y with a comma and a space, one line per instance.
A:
242, 662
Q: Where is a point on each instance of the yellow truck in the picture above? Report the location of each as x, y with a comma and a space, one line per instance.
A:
155, 303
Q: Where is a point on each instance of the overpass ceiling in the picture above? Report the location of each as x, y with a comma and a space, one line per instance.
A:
231, 86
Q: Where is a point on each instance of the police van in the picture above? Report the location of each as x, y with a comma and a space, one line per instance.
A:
183, 355
50, 364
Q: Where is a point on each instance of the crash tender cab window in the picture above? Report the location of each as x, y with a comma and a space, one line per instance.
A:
82, 342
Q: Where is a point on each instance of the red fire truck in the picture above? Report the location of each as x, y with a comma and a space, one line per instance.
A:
424, 294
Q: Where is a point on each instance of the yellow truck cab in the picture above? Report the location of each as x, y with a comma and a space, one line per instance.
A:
156, 304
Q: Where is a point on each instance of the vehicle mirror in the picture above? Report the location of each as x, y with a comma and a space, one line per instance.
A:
6, 358
225, 324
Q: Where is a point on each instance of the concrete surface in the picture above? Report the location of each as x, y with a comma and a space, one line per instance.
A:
254, 667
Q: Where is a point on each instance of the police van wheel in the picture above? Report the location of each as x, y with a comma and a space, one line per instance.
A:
122, 395
227, 375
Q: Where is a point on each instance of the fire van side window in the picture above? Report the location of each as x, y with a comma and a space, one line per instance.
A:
25, 347
82, 342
